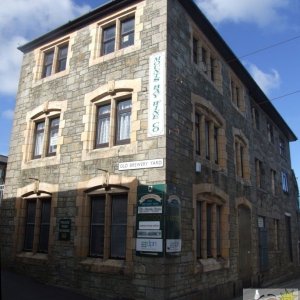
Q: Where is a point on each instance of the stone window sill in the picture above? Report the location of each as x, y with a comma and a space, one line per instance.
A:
243, 181
107, 152
199, 68
115, 54
211, 164
41, 162
211, 264
111, 266
239, 109
57, 75
30, 257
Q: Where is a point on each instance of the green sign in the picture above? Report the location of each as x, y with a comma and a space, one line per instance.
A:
150, 220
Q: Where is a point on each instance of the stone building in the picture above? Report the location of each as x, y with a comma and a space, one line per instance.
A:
145, 162
3, 165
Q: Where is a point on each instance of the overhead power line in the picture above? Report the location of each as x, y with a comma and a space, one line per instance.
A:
282, 96
291, 93
266, 48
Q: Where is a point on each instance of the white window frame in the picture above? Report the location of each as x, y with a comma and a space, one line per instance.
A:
55, 60
47, 111
112, 92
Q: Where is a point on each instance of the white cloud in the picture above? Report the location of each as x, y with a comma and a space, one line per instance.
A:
266, 81
8, 114
10, 63
260, 12
23, 20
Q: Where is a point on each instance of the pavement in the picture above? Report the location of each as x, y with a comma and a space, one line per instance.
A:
19, 287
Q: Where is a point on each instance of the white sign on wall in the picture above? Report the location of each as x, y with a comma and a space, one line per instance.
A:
149, 245
141, 164
149, 225
157, 94
157, 234
173, 245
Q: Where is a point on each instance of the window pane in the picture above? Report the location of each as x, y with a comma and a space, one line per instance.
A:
242, 160
53, 134
197, 133
124, 121
232, 90
281, 147
270, 132
237, 96
103, 131
204, 59
108, 47
97, 226
209, 229
39, 138
195, 50
273, 181
48, 61
45, 226
97, 240
256, 118
103, 124
284, 178
212, 69
216, 149
108, 42
199, 228
62, 58
289, 237
276, 234
218, 230
29, 225
207, 142
118, 226
127, 33
109, 33
104, 110
127, 26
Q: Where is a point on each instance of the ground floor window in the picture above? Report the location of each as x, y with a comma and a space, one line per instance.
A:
208, 225
289, 245
37, 225
108, 224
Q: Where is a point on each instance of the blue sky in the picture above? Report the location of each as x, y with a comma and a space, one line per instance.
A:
246, 26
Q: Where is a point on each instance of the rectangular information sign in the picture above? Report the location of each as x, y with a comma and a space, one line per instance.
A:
149, 245
64, 230
150, 220
149, 234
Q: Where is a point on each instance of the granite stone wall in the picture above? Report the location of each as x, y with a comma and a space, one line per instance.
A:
163, 26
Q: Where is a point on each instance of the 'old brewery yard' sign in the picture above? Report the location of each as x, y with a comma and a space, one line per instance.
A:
157, 94
141, 164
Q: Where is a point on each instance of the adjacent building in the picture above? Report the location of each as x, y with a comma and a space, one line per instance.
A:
3, 165
145, 162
